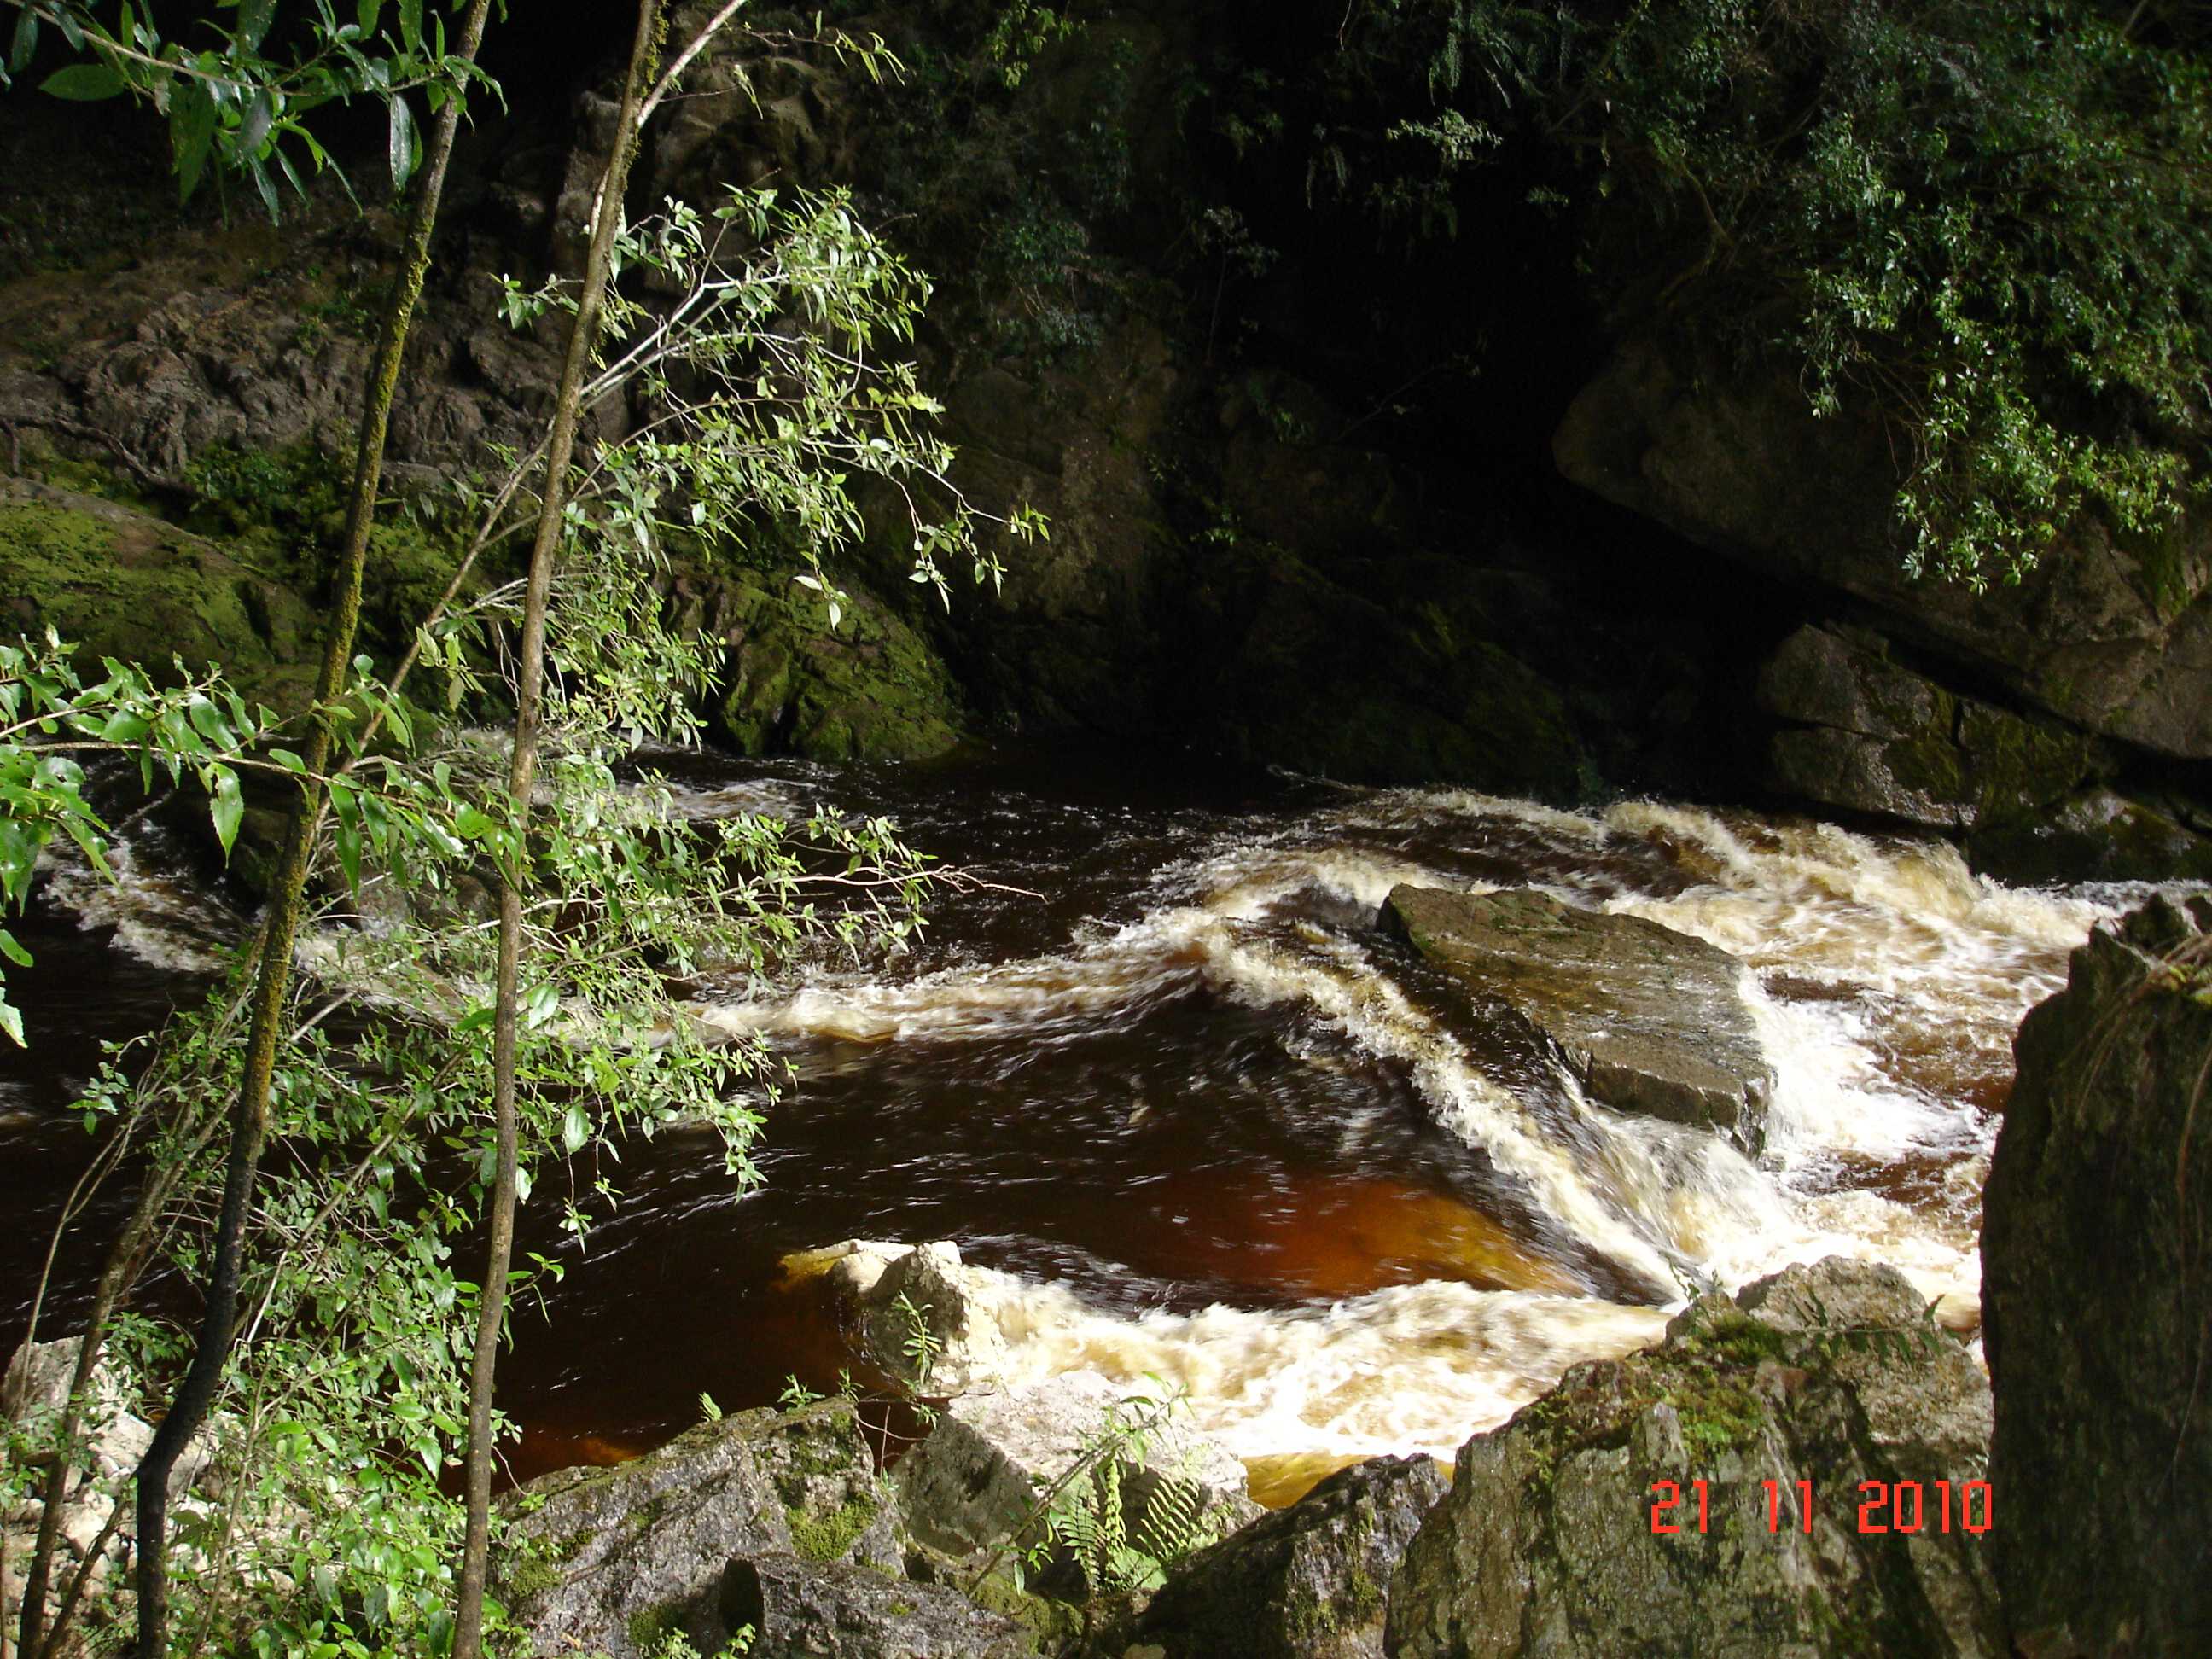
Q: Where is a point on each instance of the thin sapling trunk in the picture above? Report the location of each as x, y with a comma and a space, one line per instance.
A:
575, 370
249, 1125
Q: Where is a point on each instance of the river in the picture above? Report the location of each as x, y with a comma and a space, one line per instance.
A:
1203, 1120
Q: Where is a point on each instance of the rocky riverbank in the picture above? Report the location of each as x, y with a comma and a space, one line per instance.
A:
786, 1523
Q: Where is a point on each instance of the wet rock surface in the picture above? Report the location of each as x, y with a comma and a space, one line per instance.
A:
1649, 1019
1833, 1374
2096, 1306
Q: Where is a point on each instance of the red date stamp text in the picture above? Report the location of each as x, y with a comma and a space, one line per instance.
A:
1906, 1506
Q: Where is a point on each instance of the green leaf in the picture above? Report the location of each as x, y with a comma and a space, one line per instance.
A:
123, 727
575, 1126
207, 719
11, 1021
254, 17
345, 838
260, 116
540, 1004
26, 42
406, 148
13, 950
288, 760
228, 808
192, 134
84, 82
262, 183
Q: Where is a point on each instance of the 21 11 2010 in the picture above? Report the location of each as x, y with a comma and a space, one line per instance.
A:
1884, 1506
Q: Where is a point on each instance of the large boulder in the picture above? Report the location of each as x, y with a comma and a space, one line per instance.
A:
2115, 638
1308, 1582
615, 1560
2096, 1303
1833, 1375
799, 1609
1871, 735
121, 583
1649, 1019
980, 1478
868, 689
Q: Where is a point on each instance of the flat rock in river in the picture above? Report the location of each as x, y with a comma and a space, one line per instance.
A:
1650, 1020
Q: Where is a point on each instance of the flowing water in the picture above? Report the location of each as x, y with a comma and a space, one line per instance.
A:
1203, 1120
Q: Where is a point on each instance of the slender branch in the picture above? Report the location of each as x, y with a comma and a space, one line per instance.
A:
491, 1303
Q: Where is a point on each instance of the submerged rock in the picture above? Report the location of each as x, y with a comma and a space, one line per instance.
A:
1308, 1582
978, 1478
619, 1559
1650, 1020
1832, 1374
2096, 1309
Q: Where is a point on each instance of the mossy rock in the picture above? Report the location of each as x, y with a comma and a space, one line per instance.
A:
1561, 1521
120, 583
870, 689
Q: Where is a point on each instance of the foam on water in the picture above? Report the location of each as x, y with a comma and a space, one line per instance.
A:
1414, 1368
158, 915
1884, 979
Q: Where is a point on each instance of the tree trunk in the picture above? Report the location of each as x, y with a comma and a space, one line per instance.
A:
249, 1125
575, 369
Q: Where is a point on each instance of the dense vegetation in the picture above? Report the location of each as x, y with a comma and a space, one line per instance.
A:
1989, 223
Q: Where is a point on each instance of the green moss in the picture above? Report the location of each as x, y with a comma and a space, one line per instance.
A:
872, 690
648, 1627
1054, 1623
827, 1537
531, 1575
119, 583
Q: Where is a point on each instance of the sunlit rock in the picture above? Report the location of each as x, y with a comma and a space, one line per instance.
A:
618, 1559
804, 1610
981, 1476
1304, 1582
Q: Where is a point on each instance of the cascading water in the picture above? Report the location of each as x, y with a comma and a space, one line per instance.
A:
1194, 1110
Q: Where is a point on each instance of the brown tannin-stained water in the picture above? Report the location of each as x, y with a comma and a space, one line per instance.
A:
1200, 1116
